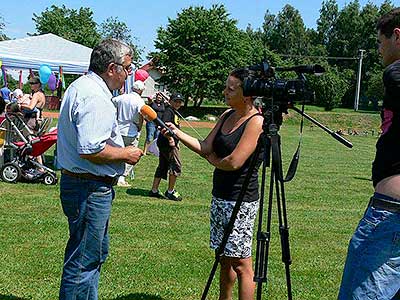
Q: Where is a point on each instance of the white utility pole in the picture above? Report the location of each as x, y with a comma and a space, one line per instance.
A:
357, 96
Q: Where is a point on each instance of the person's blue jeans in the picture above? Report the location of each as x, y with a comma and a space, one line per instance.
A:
87, 205
372, 268
151, 132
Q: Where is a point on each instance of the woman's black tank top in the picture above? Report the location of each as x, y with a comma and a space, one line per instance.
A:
227, 184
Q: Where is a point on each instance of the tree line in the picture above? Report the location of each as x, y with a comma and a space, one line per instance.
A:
198, 48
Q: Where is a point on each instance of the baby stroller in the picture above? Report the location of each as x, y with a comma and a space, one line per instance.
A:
20, 151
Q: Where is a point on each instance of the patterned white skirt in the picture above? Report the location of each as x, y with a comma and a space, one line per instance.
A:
240, 240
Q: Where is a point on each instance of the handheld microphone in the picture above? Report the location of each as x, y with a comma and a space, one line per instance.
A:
307, 69
150, 115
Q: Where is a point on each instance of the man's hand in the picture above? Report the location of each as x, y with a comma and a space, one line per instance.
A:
133, 155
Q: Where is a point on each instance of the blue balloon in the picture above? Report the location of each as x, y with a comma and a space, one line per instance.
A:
44, 73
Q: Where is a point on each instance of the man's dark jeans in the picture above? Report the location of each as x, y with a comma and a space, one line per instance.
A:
87, 205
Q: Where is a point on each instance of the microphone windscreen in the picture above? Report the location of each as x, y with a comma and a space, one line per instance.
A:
148, 113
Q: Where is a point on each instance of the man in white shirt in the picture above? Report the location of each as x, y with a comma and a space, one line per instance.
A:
92, 156
130, 122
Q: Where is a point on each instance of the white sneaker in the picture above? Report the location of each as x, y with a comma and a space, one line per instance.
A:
123, 184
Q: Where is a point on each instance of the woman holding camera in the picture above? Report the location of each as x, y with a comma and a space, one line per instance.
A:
229, 148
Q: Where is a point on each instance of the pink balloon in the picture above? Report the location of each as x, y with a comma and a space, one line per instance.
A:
141, 75
52, 83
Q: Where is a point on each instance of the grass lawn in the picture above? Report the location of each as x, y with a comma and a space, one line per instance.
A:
159, 249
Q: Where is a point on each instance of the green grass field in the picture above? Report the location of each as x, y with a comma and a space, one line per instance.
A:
159, 249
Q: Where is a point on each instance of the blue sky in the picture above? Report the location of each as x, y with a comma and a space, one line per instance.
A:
144, 18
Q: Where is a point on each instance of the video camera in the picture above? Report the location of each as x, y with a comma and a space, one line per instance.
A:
262, 82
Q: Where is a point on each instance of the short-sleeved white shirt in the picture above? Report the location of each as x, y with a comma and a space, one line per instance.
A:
87, 122
128, 113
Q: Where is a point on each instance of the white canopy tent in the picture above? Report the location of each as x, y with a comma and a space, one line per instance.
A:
50, 49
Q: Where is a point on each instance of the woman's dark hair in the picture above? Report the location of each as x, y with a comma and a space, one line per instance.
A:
2, 105
388, 22
240, 73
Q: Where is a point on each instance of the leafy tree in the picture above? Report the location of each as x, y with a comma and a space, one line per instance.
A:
345, 37
268, 28
327, 19
11, 82
386, 7
315, 47
114, 28
375, 86
2, 27
354, 30
330, 87
369, 15
286, 32
260, 50
372, 66
199, 48
74, 25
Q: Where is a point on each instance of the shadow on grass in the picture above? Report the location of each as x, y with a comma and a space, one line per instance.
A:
363, 178
138, 296
11, 297
138, 192
49, 161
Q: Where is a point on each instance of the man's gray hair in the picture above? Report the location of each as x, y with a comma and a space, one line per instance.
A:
108, 51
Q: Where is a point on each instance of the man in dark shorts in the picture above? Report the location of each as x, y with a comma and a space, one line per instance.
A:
372, 269
169, 160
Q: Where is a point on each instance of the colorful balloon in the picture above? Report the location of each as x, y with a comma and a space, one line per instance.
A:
52, 82
44, 73
141, 75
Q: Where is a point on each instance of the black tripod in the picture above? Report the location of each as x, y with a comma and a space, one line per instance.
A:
270, 143
272, 153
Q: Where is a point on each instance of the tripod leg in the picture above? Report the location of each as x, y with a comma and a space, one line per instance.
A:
263, 242
210, 278
284, 233
281, 206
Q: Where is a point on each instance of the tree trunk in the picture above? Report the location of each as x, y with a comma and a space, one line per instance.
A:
195, 97
200, 101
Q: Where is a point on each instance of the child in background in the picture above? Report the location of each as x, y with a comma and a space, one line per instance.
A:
169, 160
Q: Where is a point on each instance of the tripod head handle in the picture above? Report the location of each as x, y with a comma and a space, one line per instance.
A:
336, 136
341, 139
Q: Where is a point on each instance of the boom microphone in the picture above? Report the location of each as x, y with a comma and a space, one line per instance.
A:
150, 115
307, 69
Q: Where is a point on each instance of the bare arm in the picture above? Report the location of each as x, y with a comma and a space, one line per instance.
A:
203, 148
243, 150
32, 104
109, 154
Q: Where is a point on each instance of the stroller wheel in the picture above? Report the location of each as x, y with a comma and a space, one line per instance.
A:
10, 173
49, 179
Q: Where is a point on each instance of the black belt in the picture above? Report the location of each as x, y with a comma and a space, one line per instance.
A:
385, 204
106, 179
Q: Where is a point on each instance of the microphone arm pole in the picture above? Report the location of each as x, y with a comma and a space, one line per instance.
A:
336, 136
